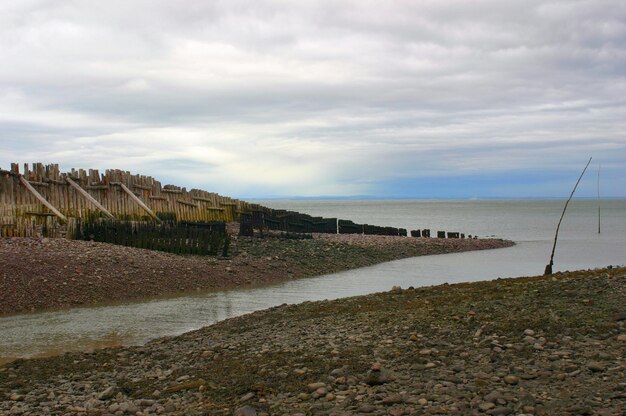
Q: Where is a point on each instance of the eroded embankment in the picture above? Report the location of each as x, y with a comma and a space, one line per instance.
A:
37, 274
539, 345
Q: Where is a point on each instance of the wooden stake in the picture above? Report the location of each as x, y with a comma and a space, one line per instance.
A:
599, 166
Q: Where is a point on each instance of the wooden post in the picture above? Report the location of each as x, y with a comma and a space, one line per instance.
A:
89, 197
139, 201
42, 199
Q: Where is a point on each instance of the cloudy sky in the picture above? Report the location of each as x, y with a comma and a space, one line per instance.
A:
282, 98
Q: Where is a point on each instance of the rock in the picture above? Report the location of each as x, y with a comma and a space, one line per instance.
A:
16, 397
620, 316
621, 337
596, 366
510, 379
493, 396
246, 397
245, 411
393, 399
107, 393
484, 406
366, 408
499, 411
314, 386
529, 332
375, 378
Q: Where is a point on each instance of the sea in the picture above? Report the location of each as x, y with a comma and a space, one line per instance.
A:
592, 235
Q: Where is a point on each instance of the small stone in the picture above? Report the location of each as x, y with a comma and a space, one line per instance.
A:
529, 332
322, 391
393, 399
596, 366
484, 406
366, 408
620, 316
16, 397
621, 337
422, 401
315, 386
500, 411
493, 396
247, 396
107, 393
375, 378
510, 379
245, 411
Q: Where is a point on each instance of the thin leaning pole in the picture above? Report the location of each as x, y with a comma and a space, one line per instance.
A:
599, 167
556, 235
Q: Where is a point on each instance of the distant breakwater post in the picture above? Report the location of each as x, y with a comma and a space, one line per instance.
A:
129, 209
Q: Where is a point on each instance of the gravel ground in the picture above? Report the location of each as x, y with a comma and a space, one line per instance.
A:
38, 274
527, 346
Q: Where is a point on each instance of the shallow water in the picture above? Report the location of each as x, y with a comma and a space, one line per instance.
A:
530, 223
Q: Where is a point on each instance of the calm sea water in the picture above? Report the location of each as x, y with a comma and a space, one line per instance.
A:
531, 224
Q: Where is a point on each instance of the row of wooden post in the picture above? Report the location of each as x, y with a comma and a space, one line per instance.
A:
440, 234
43, 197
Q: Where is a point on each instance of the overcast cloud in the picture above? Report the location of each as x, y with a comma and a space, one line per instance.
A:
277, 98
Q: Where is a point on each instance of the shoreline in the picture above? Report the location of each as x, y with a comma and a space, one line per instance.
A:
54, 274
539, 345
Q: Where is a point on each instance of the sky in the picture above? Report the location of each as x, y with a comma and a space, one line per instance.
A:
258, 99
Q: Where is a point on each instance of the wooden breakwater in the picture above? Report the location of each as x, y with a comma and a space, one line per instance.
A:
43, 201
42, 197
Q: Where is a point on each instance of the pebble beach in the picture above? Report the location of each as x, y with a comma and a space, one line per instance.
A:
550, 345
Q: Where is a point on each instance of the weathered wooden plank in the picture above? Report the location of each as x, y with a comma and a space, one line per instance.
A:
189, 204
42, 199
200, 198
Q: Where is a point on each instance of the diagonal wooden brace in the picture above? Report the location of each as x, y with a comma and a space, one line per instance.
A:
139, 201
42, 199
89, 197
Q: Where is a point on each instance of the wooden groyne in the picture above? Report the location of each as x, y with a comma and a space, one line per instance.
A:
42, 198
43, 201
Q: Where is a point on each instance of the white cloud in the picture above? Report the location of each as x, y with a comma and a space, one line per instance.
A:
311, 97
